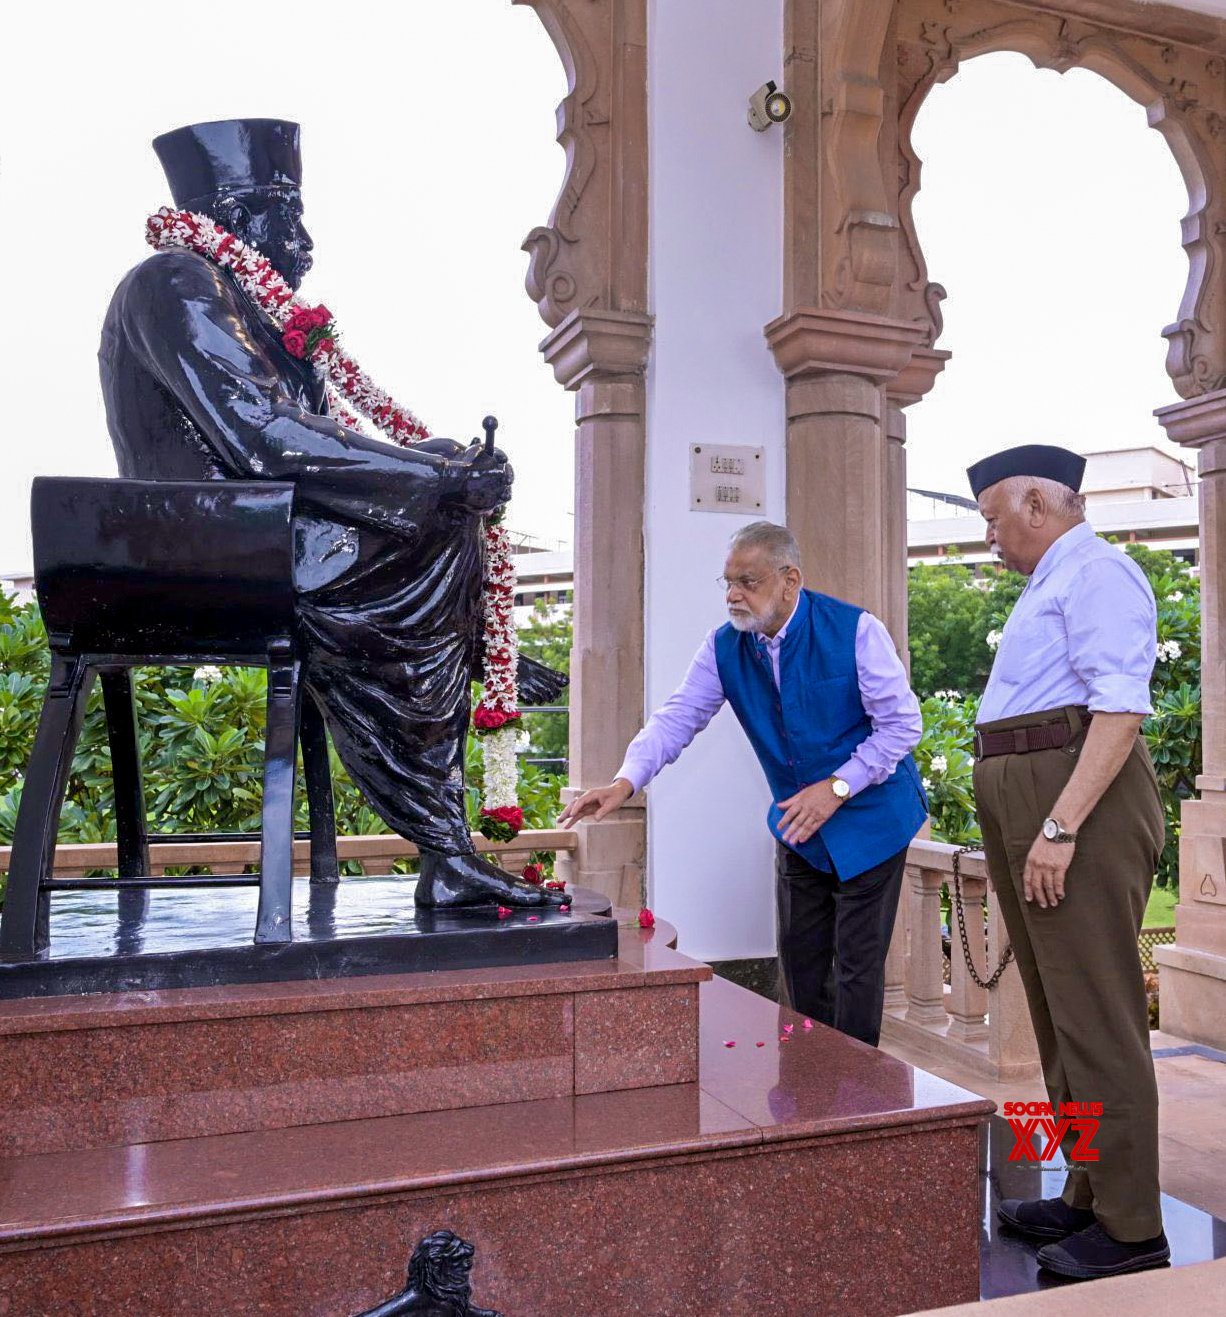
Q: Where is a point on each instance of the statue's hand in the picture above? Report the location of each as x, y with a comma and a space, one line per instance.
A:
480, 482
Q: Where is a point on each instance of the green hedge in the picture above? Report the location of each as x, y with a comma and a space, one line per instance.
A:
202, 747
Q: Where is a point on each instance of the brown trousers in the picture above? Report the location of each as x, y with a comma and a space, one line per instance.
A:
1079, 960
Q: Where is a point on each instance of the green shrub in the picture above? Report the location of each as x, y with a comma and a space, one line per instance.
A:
202, 749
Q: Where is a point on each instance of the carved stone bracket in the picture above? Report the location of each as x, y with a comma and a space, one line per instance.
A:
593, 251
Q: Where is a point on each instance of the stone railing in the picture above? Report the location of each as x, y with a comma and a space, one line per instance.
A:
987, 1031
374, 853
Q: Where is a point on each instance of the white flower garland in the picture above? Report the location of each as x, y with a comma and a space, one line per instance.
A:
497, 713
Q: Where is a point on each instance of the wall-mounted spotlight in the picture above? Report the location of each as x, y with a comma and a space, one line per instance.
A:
768, 105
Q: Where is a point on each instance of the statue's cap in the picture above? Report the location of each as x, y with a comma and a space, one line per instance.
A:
1042, 460
230, 155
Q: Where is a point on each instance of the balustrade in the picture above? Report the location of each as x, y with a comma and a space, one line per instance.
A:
959, 1021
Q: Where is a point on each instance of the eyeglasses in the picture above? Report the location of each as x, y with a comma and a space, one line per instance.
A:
746, 583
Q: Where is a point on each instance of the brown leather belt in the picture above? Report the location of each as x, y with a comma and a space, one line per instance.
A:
1024, 740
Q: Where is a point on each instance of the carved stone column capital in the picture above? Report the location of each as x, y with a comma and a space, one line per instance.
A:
1196, 423
918, 376
596, 342
812, 340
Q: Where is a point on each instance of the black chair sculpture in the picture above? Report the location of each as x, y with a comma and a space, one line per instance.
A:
145, 573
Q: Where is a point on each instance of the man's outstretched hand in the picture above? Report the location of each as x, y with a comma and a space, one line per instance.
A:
481, 481
597, 802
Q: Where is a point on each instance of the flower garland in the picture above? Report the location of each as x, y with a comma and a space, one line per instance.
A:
309, 333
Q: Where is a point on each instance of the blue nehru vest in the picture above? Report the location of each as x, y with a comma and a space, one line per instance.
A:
808, 727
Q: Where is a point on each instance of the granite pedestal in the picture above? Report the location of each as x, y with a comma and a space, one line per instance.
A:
602, 1155
151, 938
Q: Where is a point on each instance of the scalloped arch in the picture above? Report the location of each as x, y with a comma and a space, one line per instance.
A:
1183, 90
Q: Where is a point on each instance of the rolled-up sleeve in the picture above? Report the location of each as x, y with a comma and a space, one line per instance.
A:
677, 721
1112, 625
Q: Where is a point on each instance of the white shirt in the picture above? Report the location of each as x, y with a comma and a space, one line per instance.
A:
1084, 631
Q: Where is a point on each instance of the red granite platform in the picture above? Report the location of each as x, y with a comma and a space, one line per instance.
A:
140, 1067
814, 1175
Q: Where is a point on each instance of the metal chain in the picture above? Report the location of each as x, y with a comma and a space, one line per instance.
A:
961, 913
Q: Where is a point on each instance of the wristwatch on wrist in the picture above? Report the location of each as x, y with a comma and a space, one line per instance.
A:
1054, 832
839, 787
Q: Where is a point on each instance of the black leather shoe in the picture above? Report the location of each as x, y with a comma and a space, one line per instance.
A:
1092, 1253
1043, 1218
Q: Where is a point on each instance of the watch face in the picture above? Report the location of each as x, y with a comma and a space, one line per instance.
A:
841, 789
1051, 829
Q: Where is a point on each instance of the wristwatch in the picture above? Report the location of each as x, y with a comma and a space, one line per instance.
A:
839, 787
1054, 832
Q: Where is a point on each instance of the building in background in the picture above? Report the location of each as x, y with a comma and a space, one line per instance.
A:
1135, 495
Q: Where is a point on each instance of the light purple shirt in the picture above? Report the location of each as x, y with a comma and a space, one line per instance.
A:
1083, 631
888, 700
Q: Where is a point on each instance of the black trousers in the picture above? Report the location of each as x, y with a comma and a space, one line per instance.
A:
833, 939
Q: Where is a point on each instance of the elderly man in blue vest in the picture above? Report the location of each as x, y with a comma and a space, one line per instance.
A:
819, 689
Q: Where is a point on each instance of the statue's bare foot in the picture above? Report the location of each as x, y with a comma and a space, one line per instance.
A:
448, 881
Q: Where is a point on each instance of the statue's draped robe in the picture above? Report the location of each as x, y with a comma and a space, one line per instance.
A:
198, 387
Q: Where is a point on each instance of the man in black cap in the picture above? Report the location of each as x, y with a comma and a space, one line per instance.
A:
198, 386
1072, 829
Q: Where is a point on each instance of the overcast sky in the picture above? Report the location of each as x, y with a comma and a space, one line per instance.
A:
1049, 211
423, 174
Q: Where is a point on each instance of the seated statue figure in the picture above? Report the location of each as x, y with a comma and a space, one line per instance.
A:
198, 385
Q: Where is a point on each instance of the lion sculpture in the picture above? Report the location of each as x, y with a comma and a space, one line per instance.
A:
438, 1282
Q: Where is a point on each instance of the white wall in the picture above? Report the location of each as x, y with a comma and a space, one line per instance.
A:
716, 280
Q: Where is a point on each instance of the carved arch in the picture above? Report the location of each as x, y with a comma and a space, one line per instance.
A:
592, 254
1183, 89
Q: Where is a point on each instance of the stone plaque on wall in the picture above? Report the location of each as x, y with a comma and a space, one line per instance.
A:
726, 478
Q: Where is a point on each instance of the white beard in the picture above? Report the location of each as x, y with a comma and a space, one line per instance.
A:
746, 621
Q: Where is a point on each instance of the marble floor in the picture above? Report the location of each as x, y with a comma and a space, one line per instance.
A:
1192, 1094
1007, 1262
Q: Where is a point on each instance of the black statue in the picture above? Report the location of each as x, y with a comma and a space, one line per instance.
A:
437, 1283
388, 557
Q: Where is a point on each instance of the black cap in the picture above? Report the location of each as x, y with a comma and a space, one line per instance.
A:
231, 155
1041, 460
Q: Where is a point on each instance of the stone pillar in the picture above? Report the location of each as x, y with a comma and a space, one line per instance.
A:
846, 479
894, 608
601, 356
1193, 970
908, 387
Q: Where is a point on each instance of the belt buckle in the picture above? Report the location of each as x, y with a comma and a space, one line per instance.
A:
978, 744
1021, 742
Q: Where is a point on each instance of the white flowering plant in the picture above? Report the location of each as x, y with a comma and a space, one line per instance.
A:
945, 758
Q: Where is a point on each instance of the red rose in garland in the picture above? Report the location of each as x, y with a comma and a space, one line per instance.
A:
295, 343
309, 330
